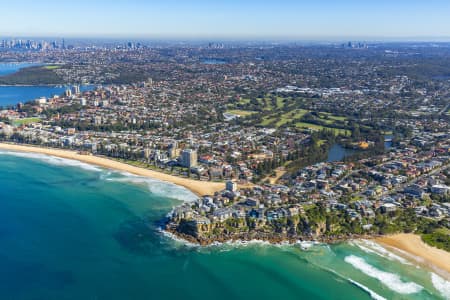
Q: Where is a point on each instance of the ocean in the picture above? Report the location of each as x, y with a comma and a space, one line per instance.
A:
11, 95
70, 230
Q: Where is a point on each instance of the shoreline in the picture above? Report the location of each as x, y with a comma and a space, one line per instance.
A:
272, 239
411, 247
200, 188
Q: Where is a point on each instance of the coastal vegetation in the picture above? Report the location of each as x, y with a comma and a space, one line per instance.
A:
36, 75
439, 238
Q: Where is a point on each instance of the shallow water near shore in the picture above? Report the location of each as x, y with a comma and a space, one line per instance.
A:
74, 231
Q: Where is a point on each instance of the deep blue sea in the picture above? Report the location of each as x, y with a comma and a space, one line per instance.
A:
11, 95
69, 230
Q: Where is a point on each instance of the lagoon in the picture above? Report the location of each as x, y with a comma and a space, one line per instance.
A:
338, 153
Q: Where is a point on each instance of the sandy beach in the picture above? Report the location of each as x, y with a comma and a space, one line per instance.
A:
198, 187
412, 247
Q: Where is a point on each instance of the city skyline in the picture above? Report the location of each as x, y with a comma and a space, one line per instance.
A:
285, 19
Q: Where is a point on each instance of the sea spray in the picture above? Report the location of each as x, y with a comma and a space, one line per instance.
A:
177, 241
374, 248
53, 160
157, 187
392, 281
233, 244
440, 284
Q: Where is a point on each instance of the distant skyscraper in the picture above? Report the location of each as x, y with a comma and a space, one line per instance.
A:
189, 158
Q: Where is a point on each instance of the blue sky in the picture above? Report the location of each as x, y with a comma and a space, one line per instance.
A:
314, 19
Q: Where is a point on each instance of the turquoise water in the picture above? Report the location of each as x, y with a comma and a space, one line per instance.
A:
74, 231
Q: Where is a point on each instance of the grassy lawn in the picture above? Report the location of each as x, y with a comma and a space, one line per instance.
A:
244, 101
242, 113
26, 121
278, 116
267, 120
280, 102
321, 142
335, 118
284, 118
319, 127
288, 117
309, 126
52, 67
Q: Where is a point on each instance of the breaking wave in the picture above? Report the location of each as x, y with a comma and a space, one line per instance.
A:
374, 248
372, 294
53, 160
442, 285
392, 281
156, 187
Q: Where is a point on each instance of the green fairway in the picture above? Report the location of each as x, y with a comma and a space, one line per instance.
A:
319, 127
53, 67
242, 113
281, 111
26, 121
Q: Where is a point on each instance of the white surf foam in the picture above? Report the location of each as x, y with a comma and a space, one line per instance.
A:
178, 240
53, 160
392, 281
157, 187
440, 284
372, 294
282, 245
374, 248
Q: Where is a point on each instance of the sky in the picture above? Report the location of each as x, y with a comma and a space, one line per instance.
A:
234, 19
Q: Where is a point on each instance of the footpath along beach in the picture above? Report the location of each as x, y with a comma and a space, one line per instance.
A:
200, 188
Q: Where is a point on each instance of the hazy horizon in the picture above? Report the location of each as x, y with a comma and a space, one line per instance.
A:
323, 20
231, 39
